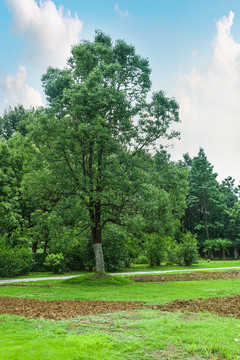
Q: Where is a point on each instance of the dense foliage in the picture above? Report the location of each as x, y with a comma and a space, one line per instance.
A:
83, 183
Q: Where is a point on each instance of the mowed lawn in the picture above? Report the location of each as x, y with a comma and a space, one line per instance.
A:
138, 334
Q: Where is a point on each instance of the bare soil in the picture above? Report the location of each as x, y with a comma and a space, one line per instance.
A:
62, 309
193, 276
67, 309
223, 306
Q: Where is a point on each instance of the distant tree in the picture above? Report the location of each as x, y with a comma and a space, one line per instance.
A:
9, 189
234, 227
204, 203
14, 120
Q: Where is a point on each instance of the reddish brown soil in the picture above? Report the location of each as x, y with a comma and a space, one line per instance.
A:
224, 306
197, 275
62, 309
67, 309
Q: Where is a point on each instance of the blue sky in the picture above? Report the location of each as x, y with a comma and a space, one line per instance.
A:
193, 47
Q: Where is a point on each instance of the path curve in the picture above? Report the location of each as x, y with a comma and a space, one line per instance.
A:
125, 273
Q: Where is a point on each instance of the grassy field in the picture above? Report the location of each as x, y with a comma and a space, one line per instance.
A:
138, 334
203, 264
151, 293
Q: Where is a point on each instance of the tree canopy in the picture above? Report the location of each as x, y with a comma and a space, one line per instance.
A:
98, 129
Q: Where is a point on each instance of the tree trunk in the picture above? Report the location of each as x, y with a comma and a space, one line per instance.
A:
34, 247
96, 230
45, 246
95, 212
98, 251
100, 268
205, 216
236, 255
210, 254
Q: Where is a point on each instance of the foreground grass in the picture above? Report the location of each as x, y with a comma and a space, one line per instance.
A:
142, 334
120, 289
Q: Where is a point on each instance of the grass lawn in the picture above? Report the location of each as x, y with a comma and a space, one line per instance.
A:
138, 334
152, 293
203, 264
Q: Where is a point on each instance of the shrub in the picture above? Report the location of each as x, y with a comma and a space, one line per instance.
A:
15, 261
55, 263
39, 259
155, 249
185, 253
141, 259
78, 253
118, 248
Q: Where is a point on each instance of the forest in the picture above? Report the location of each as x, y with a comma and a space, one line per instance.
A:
86, 184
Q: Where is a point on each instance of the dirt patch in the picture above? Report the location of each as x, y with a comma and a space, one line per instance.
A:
193, 276
173, 353
67, 309
62, 309
224, 306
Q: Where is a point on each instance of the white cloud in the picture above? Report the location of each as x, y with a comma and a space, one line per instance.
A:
16, 90
49, 32
194, 53
210, 106
122, 14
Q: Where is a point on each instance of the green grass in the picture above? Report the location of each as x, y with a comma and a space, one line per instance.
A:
137, 335
88, 288
203, 264
142, 334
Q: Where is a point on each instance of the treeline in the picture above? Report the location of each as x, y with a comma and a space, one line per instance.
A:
212, 209
83, 184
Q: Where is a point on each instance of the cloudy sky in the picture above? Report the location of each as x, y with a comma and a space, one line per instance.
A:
193, 47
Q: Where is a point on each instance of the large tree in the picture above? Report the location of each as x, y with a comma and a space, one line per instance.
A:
98, 129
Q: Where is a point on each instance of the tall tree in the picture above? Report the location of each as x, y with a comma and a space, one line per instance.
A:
203, 215
98, 128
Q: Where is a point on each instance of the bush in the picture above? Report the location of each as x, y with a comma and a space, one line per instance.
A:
78, 253
15, 261
39, 259
118, 248
55, 263
141, 260
185, 253
155, 249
